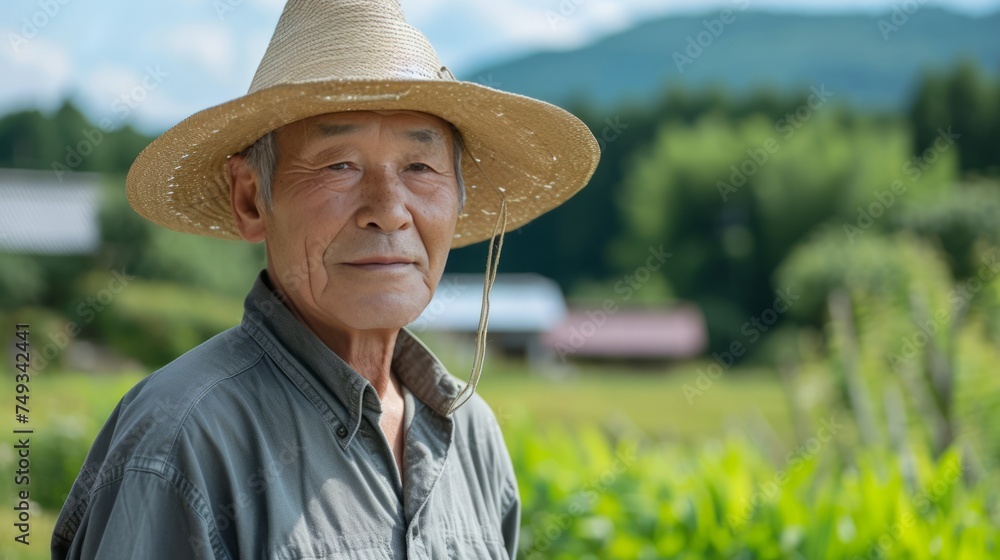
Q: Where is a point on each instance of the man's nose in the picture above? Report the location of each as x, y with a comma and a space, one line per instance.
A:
383, 201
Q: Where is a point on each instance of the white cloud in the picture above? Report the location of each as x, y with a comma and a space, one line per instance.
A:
39, 74
211, 46
532, 25
126, 95
162, 111
517, 25
609, 17
107, 83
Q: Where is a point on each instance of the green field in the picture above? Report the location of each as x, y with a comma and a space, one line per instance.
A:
654, 401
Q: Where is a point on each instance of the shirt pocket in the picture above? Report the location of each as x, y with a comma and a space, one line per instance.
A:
473, 547
464, 538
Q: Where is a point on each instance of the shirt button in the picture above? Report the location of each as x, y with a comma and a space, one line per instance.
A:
342, 431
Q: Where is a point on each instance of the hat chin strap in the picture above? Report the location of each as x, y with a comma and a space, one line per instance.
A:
492, 260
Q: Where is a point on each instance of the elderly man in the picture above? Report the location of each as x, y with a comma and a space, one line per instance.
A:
320, 427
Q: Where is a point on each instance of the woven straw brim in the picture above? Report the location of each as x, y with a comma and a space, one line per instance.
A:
535, 153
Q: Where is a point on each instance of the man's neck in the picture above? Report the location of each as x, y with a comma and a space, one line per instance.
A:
369, 352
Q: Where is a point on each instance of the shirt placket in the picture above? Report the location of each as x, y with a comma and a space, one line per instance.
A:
383, 450
425, 453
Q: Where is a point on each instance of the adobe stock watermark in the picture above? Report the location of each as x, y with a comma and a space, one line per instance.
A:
922, 502
153, 414
697, 44
257, 482
292, 278
559, 523
900, 16
158, 412
753, 330
86, 312
161, 411
449, 291
565, 10
958, 298
626, 288
32, 25
122, 107
488, 81
914, 168
612, 131
793, 462
787, 126
225, 7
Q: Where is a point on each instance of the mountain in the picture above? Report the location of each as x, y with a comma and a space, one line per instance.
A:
870, 60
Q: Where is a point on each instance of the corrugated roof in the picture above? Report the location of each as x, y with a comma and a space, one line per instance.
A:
41, 215
518, 303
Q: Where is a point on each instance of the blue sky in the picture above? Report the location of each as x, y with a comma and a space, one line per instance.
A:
197, 53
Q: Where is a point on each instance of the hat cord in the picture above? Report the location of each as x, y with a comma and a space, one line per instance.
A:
492, 261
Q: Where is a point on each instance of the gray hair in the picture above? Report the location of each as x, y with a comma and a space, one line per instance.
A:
262, 157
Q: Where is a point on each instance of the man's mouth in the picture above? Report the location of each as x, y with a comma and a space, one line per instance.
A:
383, 263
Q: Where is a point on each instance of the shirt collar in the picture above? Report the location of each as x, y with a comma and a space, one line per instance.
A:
319, 372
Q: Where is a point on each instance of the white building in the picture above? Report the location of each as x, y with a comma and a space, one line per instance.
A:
41, 215
522, 308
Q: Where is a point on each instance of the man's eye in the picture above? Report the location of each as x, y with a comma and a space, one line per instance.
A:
419, 167
338, 166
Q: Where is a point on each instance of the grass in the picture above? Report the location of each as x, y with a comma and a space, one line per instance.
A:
653, 401
87, 399
650, 397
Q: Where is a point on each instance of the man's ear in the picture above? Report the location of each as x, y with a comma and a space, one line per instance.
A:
243, 199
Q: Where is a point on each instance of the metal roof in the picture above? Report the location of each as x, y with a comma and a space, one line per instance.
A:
518, 303
43, 215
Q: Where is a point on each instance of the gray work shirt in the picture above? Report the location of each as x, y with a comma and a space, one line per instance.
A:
263, 443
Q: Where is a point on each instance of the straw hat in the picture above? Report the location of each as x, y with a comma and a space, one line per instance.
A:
345, 55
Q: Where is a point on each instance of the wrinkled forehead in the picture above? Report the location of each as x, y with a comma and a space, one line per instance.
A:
415, 126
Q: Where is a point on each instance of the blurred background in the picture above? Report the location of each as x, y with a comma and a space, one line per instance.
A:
768, 328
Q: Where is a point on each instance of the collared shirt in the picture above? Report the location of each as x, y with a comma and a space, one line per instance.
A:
263, 443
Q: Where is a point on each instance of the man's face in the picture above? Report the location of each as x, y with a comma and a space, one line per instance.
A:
364, 208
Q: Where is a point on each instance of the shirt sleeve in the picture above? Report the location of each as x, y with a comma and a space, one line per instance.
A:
143, 515
510, 523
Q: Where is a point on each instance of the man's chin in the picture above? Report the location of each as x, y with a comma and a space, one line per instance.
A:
384, 311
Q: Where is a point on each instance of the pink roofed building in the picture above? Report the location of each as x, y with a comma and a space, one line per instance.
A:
674, 333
